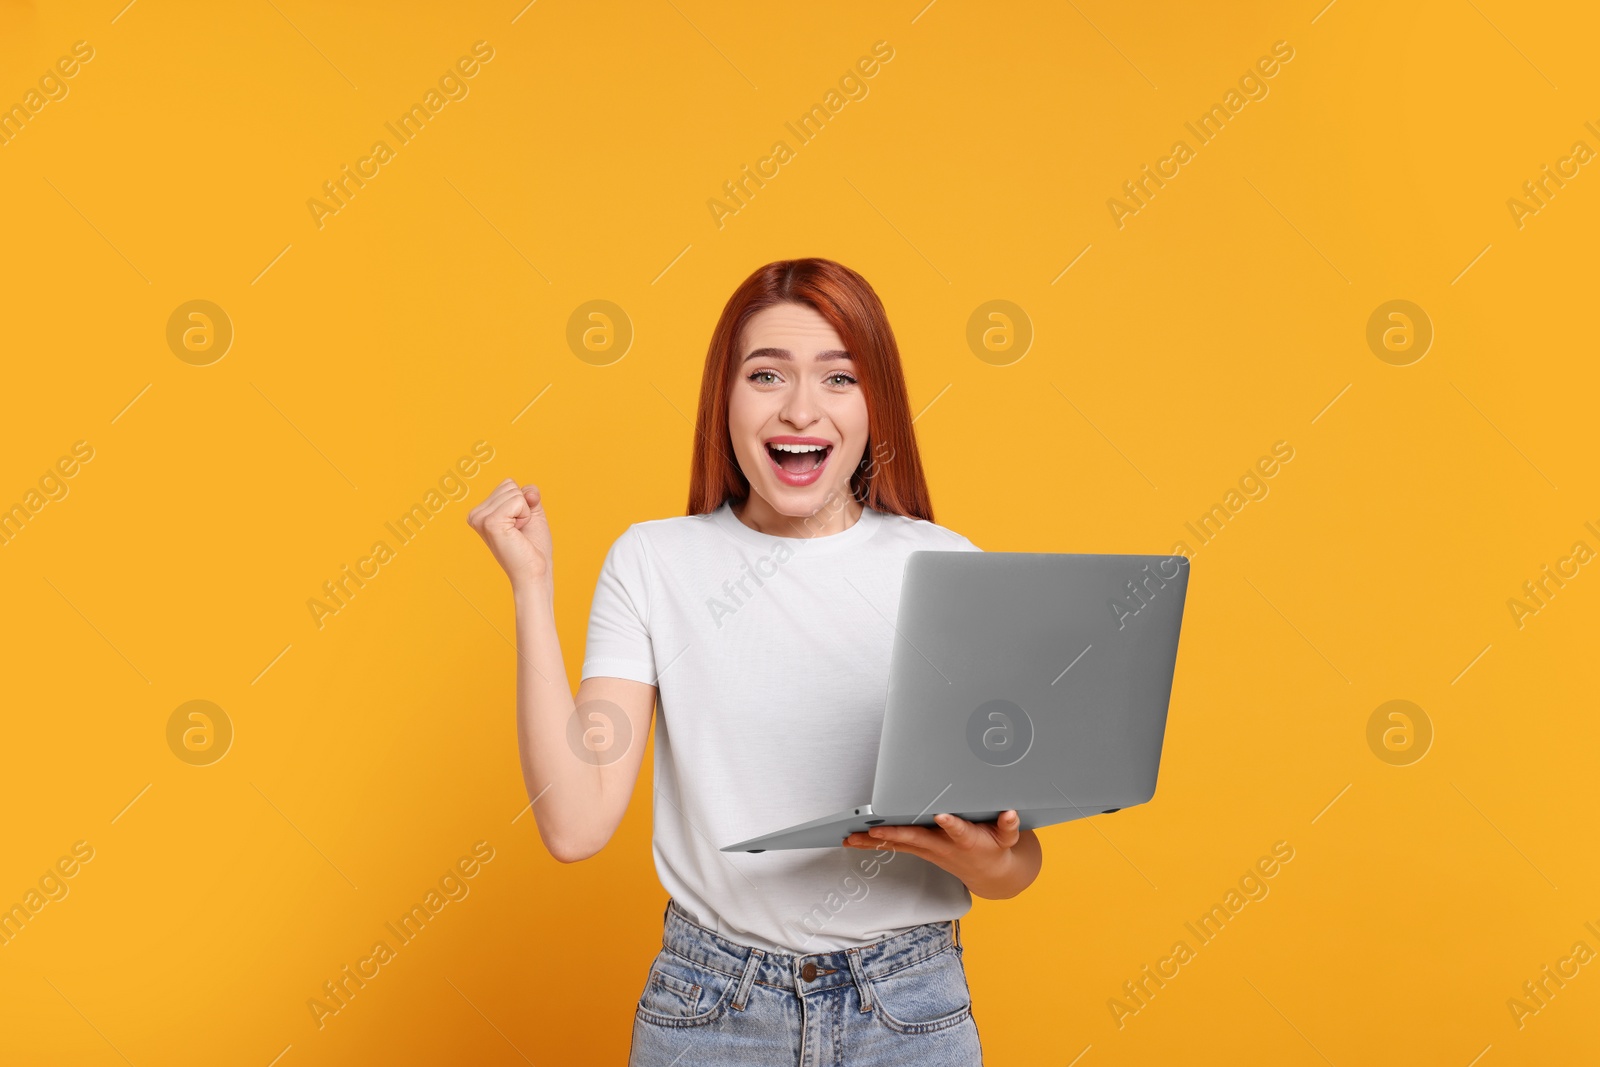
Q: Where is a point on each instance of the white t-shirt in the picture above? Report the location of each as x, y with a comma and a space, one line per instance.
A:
773, 655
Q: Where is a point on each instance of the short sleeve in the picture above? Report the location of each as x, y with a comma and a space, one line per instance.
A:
618, 644
945, 539
957, 542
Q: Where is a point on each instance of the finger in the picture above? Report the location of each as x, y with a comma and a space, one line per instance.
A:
488, 504
530, 496
512, 506
911, 837
501, 514
495, 514
499, 490
962, 834
902, 848
507, 490
864, 841
1008, 829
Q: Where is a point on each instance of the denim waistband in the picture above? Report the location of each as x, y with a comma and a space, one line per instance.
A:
682, 935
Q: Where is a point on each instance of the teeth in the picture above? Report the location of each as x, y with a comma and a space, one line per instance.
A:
797, 448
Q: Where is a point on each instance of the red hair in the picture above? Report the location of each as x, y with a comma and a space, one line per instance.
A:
890, 478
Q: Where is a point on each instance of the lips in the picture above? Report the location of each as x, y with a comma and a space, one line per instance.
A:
798, 461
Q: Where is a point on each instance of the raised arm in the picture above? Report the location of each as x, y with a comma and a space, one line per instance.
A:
580, 753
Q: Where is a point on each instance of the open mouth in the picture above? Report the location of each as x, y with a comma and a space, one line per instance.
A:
799, 459
798, 464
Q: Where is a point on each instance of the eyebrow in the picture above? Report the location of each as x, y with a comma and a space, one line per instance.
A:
784, 353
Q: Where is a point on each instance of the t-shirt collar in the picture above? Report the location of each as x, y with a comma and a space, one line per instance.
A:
857, 532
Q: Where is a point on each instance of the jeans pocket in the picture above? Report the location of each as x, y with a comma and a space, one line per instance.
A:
680, 993
928, 995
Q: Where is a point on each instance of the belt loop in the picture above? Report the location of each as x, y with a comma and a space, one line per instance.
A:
742, 994
863, 990
955, 932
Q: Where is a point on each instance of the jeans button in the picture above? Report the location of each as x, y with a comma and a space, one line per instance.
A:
809, 971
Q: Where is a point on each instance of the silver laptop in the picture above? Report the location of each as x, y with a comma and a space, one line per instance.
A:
1019, 680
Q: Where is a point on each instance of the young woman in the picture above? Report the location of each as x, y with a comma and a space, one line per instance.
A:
761, 623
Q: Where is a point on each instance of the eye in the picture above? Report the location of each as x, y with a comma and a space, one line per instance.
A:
841, 378
756, 377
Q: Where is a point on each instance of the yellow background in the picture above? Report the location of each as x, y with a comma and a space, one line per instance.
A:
369, 354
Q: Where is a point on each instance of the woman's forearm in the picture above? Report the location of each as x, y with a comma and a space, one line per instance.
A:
565, 791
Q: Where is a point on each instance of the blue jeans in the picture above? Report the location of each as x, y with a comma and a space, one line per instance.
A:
714, 1002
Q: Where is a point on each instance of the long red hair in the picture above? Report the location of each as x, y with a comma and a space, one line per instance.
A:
890, 478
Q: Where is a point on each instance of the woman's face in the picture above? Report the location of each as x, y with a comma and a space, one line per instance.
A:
797, 415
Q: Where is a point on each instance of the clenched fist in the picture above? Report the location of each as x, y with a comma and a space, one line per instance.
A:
511, 520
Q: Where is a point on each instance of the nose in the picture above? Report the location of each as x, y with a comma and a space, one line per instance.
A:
800, 406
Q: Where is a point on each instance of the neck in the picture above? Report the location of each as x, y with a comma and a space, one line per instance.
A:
830, 518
